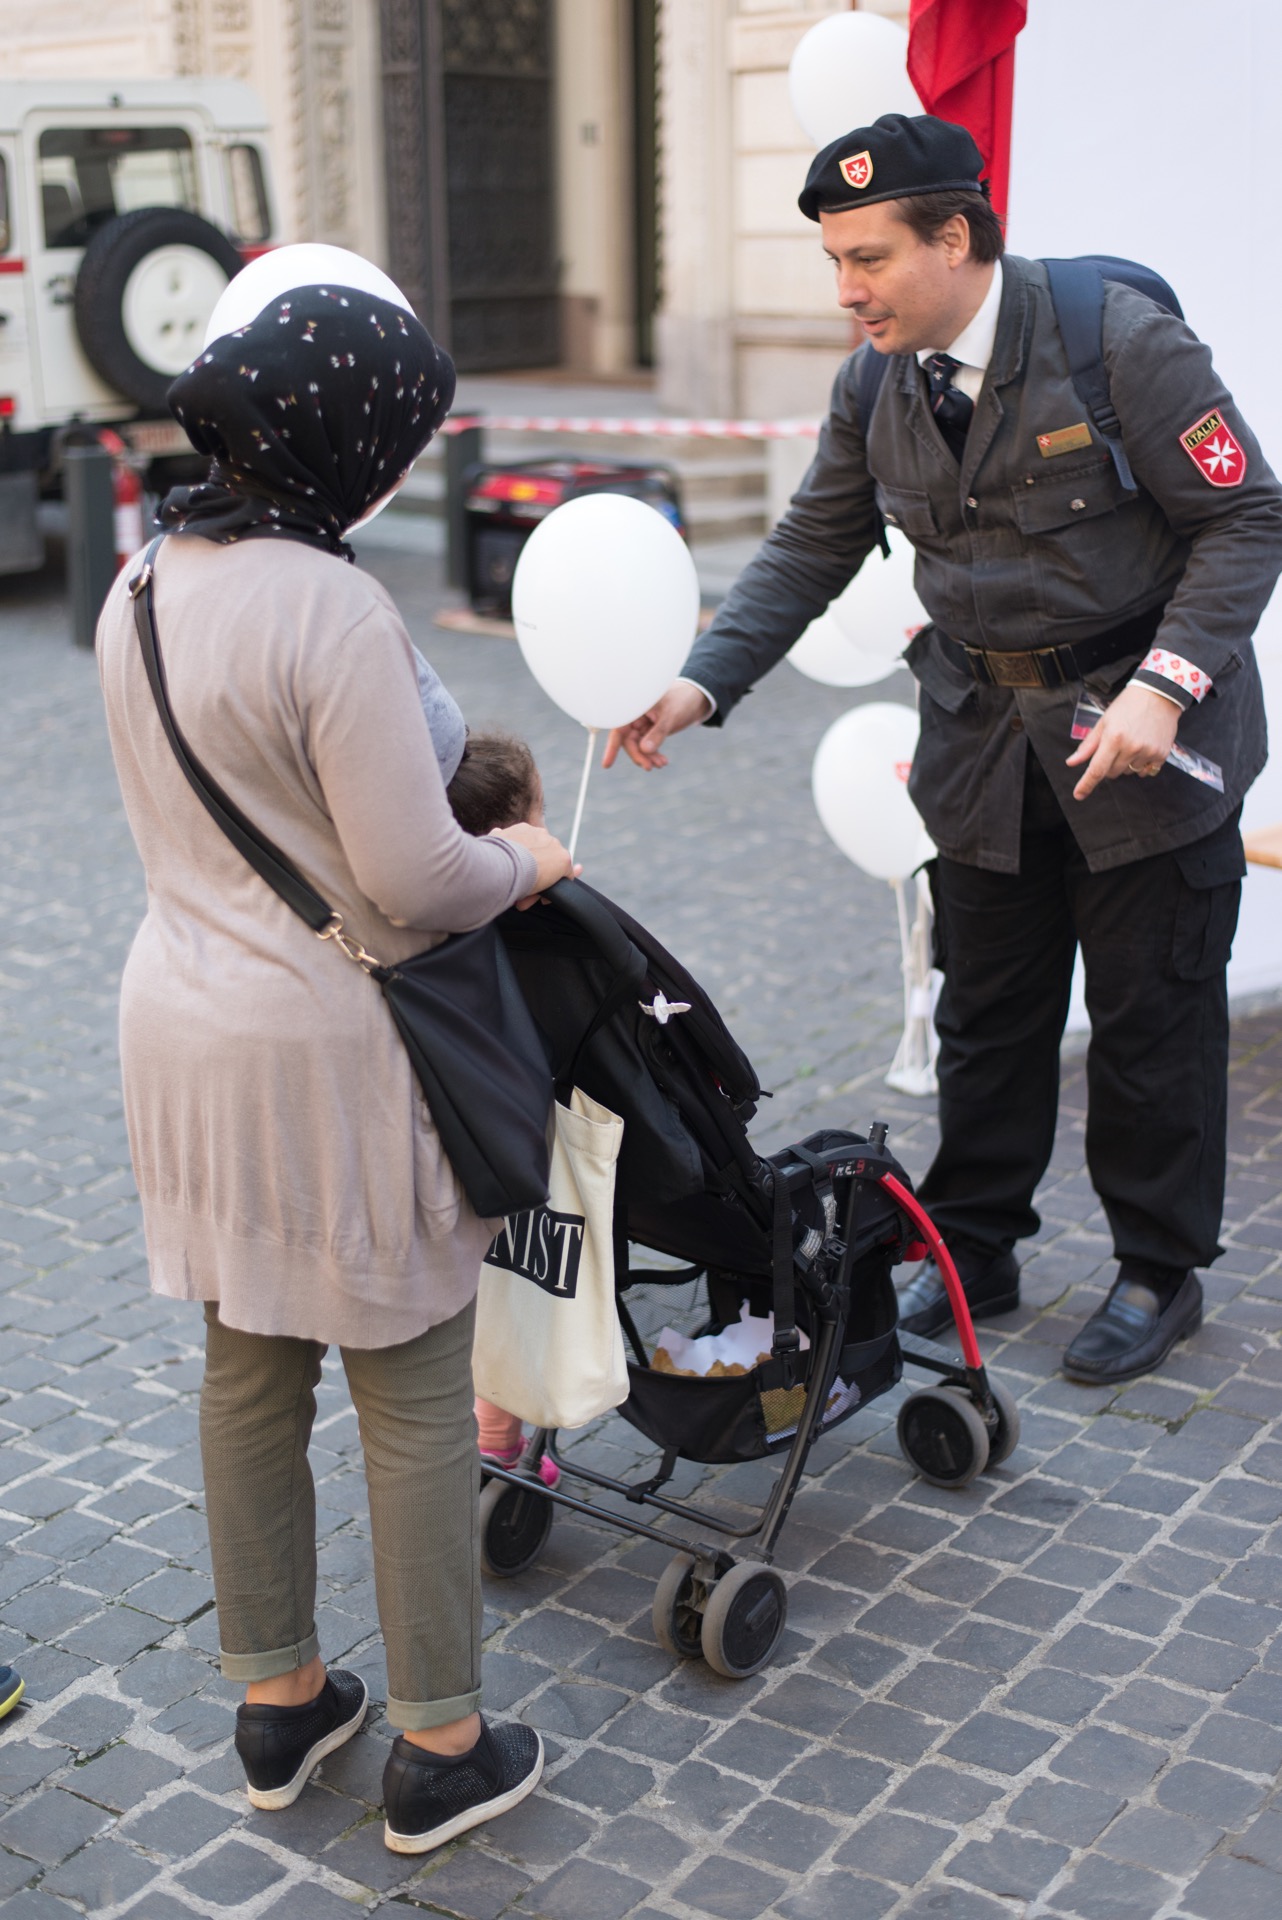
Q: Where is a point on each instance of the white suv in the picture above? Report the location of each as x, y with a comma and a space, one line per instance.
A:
125, 209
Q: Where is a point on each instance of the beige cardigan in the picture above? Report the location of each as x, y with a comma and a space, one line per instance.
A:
286, 1161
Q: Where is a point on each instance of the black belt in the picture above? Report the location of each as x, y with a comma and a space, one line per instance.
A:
1055, 666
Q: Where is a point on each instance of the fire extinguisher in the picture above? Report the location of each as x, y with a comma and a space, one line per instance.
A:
126, 488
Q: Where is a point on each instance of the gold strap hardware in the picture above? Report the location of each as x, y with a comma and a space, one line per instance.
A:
349, 944
140, 581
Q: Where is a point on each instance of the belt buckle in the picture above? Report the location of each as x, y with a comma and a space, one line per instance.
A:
1013, 669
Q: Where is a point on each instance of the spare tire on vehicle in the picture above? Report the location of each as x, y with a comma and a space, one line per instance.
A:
147, 285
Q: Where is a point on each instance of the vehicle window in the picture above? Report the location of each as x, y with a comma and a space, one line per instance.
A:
90, 174
250, 215
4, 206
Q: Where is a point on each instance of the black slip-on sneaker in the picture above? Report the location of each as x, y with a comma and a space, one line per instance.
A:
279, 1746
12, 1688
430, 1798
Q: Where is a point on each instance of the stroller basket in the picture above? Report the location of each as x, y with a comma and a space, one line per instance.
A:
802, 1243
751, 1415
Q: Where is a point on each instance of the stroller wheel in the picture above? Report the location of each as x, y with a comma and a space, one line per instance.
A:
1003, 1443
515, 1522
943, 1437
744, 1620
675, 1616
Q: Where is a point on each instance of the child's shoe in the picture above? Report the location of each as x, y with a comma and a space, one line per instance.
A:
510, 1457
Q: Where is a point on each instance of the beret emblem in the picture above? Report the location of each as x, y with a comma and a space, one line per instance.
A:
856, 171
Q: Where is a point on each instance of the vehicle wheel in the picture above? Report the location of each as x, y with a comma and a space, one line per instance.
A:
515, 1522
1004, 1441
943, 1437
744, 1619
148, 282
676, 1619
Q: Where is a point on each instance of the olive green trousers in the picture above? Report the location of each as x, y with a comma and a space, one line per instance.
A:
422, 1469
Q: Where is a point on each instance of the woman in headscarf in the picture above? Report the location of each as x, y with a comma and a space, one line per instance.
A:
290, 1174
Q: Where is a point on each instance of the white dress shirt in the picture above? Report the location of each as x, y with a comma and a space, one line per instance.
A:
973, 347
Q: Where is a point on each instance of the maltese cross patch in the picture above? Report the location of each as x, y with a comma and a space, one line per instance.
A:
856, 169
1214, 452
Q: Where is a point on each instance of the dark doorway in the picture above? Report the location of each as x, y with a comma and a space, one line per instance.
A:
467, 89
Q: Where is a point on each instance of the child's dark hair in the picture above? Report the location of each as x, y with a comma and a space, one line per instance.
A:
497, 783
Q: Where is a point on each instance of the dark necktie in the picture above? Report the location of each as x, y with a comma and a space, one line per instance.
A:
951, 407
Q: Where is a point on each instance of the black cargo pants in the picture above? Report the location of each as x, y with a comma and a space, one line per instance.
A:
1155, 938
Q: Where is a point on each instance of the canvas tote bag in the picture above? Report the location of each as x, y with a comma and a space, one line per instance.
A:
548, 1342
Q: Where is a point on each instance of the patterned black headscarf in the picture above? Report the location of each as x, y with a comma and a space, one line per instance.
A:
309, 415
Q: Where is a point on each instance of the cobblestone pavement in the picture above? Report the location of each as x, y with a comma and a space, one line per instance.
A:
1059, 1692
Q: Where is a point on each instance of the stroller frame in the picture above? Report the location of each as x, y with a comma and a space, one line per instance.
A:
742, 1642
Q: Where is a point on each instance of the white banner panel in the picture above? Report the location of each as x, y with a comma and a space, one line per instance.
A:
1148, 128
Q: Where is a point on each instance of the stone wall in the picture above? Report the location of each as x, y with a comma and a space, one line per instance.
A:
749, 322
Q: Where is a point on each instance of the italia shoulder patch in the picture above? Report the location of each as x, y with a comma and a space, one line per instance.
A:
1214, 452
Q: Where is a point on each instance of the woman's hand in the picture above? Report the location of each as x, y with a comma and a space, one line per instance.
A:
550, 857
1134, 736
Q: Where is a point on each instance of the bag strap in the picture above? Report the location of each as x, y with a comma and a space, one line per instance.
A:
267, 860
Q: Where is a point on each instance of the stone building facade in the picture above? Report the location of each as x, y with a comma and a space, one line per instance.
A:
593, 185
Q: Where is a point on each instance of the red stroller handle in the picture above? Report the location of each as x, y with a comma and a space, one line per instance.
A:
944, 1260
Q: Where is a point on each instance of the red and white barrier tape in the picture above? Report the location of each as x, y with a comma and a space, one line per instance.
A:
659, 426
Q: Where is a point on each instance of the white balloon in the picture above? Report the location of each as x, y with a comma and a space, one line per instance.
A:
605, 600
846, 72
825, 654
879, 611
307, 265
860, 785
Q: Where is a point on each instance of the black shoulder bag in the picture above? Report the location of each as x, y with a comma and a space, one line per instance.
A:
468, 1032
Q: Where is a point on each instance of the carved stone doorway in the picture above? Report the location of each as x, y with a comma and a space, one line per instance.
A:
467, 91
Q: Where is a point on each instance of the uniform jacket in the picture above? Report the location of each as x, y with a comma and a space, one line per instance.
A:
1016, 551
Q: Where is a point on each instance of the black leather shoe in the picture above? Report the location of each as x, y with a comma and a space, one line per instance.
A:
429, 1798
279, 1746
1148, 1309
990, 1282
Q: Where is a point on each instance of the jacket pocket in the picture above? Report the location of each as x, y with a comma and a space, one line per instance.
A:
909, 509
1058, 500
1206, 912
950, 687
1084, 537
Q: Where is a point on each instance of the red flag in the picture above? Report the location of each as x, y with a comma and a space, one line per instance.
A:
961, 59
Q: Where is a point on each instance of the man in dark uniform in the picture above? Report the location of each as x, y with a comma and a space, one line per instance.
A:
1041, 570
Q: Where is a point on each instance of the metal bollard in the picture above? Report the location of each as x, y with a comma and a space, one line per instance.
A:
462, 451
91, 536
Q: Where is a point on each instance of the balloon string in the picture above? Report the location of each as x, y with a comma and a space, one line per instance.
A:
583, 791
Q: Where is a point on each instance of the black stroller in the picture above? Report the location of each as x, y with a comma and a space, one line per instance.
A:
808, 1235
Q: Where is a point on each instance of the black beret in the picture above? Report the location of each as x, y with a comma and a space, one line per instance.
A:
897, 156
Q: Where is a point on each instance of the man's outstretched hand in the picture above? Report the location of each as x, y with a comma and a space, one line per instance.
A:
683, 705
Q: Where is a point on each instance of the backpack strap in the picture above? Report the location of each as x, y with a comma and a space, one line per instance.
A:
1077, 295
872, 371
